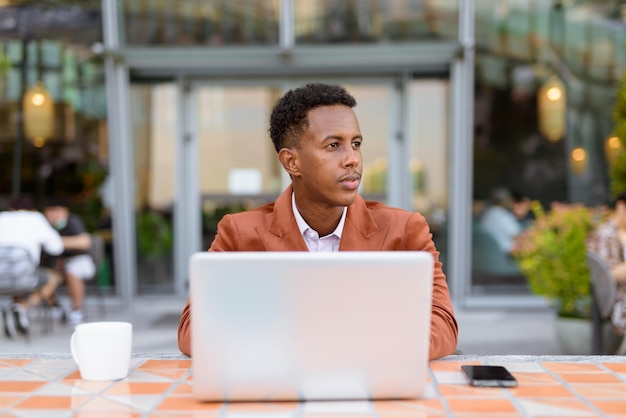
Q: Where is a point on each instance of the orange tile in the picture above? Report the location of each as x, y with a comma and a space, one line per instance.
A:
172, 374
183, 389
571, 367
421, 406
449, 366
52, 402
541, 392
616, 367
138, 388
467, 390
75, 375
188, 404
166, 364
611, 407
500, 406
9, 400
589, 378
609, 390
16, 362
535, 379
20, 386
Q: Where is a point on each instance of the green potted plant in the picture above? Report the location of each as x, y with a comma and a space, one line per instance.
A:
551, 254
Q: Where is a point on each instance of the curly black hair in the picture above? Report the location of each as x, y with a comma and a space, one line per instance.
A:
289, 116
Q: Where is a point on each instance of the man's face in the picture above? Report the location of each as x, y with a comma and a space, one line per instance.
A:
329, 162
56, 215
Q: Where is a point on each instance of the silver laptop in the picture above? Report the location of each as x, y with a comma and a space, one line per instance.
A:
310, 326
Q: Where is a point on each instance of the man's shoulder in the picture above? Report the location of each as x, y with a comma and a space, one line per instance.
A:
379, 206
256, 213
381, 210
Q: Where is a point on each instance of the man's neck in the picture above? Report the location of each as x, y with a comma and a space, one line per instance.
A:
322, 221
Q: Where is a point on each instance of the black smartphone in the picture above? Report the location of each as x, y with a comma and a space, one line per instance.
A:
489, 376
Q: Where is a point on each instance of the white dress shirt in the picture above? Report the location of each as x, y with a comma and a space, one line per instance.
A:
328, 243
30, 230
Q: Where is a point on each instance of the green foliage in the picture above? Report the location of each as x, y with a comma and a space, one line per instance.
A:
154, 235
618, 167
551, 253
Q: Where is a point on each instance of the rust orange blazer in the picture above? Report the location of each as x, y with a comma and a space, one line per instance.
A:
369, 226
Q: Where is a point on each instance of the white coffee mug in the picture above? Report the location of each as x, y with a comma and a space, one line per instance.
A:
102, 350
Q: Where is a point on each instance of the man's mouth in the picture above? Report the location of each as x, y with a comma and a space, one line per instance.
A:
351, 181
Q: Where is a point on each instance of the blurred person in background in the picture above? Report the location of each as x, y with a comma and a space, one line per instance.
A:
75, 263
499, 221
609, 242
23, 226
521, 208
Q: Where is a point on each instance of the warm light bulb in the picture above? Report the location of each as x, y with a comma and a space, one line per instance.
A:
39, 142
38, 99
613, 142
553, 93
578, 154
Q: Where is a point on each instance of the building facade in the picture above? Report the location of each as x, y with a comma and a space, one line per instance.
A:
161, 111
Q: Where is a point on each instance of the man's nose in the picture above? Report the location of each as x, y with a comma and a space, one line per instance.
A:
352, 158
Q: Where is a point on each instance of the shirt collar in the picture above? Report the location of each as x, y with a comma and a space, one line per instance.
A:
303, 226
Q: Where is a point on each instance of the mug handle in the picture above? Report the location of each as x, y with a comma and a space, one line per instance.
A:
73, 348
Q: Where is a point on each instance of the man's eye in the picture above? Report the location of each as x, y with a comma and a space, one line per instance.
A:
356, 144
333, 145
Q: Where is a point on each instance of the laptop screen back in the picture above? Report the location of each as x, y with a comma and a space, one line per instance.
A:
304, 326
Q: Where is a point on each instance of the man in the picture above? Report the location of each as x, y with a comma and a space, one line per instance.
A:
499, 221
75, 262
318, 140
22, 226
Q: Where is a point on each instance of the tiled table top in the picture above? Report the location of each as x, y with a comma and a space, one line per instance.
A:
160, 386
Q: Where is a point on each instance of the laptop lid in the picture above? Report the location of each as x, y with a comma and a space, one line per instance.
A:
310, 326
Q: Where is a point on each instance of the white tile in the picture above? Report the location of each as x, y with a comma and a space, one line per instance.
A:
338, 407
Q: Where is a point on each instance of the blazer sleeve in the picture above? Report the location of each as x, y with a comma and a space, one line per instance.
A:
225, 240
184, 330
444, 329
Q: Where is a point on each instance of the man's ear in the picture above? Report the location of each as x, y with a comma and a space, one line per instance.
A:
288, 158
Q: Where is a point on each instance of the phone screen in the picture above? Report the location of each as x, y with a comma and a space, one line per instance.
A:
489, 376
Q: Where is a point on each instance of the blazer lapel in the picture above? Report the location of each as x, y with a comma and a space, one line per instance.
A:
360, 232
283, 233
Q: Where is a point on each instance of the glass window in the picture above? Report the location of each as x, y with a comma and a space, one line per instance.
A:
373, 21
154, 129
429, 115
71, 160
200, 22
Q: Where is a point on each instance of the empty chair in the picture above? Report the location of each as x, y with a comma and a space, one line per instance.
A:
18, 275
603, 288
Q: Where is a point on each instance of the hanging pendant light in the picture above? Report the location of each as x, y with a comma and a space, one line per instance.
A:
38, 107
578, 159
551, 107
